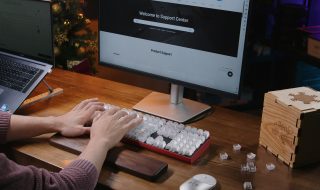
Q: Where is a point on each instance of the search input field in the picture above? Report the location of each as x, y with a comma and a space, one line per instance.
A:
162, 25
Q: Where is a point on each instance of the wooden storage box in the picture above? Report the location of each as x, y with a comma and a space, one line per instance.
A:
314, 47
290, 126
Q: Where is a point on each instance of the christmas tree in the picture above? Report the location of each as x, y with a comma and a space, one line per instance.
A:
75, 44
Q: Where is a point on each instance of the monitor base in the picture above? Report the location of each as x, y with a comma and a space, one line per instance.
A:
159, 104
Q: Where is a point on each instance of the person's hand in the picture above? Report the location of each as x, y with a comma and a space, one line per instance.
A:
110, 126
72, 123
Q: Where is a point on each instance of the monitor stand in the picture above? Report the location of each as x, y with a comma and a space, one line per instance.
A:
173, 107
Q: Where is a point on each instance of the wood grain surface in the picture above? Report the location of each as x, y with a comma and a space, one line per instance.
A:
226, 127
118, 157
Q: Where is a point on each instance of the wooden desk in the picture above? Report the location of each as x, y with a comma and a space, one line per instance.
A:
226, 127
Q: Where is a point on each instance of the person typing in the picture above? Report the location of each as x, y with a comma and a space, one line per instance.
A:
108, 128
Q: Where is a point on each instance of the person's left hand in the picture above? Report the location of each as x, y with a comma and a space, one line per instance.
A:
72, 123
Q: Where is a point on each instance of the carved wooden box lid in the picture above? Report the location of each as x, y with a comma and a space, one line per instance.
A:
302, 98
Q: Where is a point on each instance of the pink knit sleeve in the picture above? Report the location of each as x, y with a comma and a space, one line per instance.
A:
79, 175
4, 125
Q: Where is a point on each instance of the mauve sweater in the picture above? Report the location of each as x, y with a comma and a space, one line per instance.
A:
80, 174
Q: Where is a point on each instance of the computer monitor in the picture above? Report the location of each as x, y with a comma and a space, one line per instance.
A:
199, 44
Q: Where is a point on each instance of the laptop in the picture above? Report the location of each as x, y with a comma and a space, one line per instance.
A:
26, 49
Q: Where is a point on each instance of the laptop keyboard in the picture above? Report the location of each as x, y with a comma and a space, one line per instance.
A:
17, 76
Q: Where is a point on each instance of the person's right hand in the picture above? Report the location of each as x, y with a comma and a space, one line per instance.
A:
110, 126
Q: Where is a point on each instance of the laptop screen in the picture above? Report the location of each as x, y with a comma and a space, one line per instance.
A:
25, 29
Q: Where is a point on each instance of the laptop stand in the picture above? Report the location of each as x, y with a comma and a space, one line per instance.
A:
46, 95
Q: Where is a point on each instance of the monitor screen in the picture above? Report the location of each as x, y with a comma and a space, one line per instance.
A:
193, 43
25, 29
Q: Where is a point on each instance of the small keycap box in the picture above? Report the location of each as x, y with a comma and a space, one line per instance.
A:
290, 125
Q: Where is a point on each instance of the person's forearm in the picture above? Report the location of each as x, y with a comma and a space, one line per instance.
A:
95, 152
26, 127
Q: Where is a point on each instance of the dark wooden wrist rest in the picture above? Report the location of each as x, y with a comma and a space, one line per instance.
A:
123, 159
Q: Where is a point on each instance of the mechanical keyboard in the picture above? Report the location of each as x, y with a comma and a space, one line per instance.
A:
167, 137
